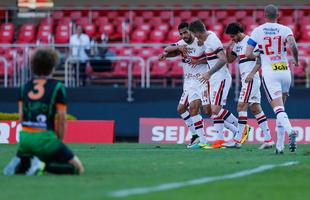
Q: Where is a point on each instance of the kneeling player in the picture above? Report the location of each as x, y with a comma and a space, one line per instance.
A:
40, 145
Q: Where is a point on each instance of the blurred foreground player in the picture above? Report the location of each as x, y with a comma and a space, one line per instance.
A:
40, 144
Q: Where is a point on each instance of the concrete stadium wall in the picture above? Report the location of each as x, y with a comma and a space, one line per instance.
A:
108, 103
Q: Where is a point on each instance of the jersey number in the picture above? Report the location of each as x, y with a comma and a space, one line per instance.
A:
38, 90
269, 44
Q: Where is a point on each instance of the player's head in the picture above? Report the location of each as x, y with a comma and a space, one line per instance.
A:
271, 12
235, 31
198, 29
43, 61
184, 32
79, 30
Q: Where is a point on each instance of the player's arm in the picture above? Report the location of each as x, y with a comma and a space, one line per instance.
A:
165, 55
293, 46
200, 61
230, 54
61, 109
220, 63
257, 66
61, 121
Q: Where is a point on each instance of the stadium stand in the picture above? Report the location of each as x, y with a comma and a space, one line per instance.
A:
148, 27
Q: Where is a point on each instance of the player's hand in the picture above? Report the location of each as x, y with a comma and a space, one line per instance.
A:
205, 77
162, 57
249, 78
183, 50
194, 63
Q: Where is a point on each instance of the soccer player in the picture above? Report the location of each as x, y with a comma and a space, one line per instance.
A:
271, 39
250, 91
218, 77
42, 110
194, 64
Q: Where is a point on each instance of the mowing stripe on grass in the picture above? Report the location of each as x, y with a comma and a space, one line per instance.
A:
208, 179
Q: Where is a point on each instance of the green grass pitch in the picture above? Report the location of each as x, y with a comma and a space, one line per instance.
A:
124, 166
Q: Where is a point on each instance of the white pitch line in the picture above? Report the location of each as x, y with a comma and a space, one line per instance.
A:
208, 179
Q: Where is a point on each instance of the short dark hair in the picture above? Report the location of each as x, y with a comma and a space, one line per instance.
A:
234, 28
271, 11
197, 26
183, 25
43, 61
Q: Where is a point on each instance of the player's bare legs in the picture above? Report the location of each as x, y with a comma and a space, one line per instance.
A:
283, 120
261, 119
194, 107
182, 110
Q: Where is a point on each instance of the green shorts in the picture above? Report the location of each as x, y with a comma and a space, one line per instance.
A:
41, 144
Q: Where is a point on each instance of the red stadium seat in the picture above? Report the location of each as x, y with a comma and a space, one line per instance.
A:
217, 28
58, 14
126, 52
107, 29
156, 21
75, 15
138, 21
90, 30
147, 14
145, 27
46, 27
240, 14
113, 14
173, 36
82, 21
7, 27
185, 15
47, 21
145, 53
221, 14
165, 14
157, 36
286, 20
62, 37
93, 14
247, 20
26, 37
163, 27
44, 36
28, 27
101, 21
177, 69
64, 21
138, 36
120, 69
6, 36
160, 69
203, 15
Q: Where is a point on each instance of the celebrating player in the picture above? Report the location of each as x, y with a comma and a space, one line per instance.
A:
218, 77
271, 39
194, 64
250, 88
41, 138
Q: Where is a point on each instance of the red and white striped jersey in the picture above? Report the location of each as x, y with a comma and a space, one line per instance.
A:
245, 64
194, 52
213, 45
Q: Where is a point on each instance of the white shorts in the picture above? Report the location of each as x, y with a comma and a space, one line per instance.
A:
275, 84
250, 92
218, 90
193, 93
